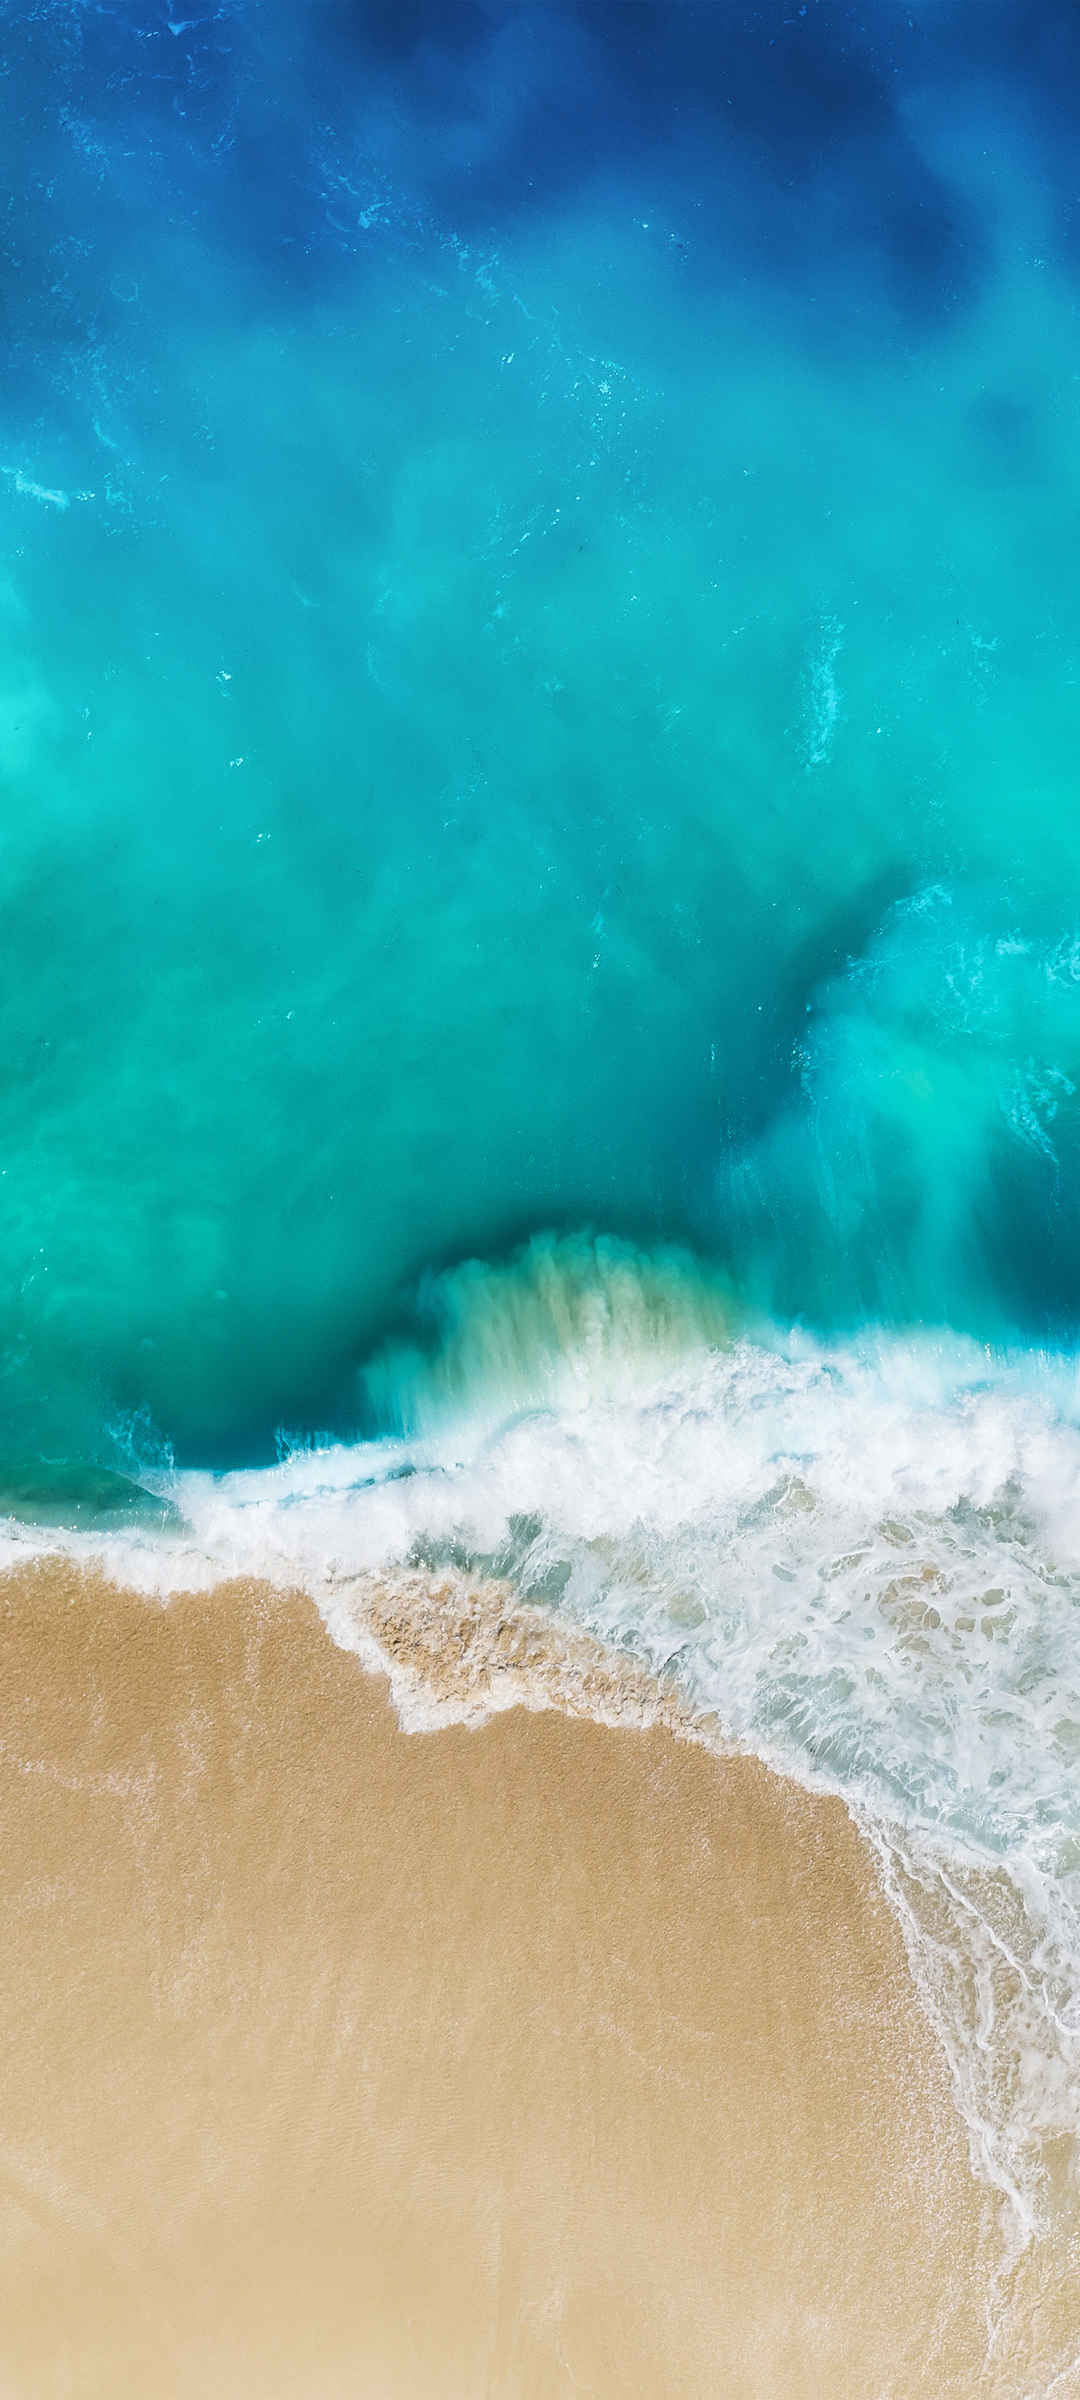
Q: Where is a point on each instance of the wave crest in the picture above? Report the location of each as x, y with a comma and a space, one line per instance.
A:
598, 1491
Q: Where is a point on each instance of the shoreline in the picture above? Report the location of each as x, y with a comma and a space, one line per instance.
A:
532, 2056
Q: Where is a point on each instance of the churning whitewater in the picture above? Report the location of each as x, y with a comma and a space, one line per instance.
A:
860, 1562
541, 689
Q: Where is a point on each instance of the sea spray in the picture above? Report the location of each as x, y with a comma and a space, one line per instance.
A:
860, 1562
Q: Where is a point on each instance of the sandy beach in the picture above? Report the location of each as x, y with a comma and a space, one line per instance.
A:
531, 2059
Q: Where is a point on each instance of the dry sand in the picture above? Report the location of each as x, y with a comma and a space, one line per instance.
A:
536, 2059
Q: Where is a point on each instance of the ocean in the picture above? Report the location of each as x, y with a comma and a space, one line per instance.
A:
540, 881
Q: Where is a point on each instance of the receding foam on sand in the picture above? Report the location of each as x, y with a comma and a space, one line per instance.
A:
536, 2057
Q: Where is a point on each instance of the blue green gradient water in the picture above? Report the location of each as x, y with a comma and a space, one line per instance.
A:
540, 873
524, 703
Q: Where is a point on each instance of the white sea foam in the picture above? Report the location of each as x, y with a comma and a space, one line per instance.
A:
861, 1562
25, 484
823, 694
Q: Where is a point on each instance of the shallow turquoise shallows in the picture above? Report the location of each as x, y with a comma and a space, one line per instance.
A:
514, 718
540, 887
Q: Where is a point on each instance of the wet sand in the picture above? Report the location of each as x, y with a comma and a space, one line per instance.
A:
531, 2059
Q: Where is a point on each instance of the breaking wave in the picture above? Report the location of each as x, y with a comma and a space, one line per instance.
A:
598, 1489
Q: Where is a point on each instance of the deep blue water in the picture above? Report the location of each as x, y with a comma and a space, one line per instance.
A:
541, 678
540, 882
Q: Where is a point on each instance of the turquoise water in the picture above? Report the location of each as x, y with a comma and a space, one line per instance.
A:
540, 876
539, 688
